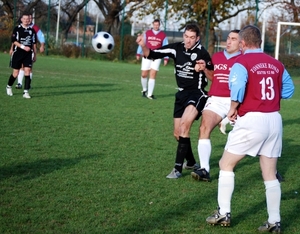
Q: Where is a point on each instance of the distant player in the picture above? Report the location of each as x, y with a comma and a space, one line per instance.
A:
154, 39
24, 51
41, 39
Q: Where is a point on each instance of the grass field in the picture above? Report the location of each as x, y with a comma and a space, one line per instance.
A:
88, 154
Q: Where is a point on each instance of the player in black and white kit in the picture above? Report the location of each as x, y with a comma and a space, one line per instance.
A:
24, 40
192, 68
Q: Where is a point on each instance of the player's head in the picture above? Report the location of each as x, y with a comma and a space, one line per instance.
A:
25, 19
233, 41
191, 35
250, 37
30, 18
156, 24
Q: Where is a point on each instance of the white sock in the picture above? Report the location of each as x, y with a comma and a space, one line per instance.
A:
151, 84
20, 76
273, 197
204, 151
30, 75
225, 121
144, 82
225, 190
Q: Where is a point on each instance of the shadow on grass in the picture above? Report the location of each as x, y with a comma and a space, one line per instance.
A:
158, 96
289, 157
58, 93
34, 169
75, 85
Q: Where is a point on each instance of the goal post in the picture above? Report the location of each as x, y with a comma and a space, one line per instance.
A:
279, 34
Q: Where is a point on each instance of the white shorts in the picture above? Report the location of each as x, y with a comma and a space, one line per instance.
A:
148, 64
219, 105
256, 133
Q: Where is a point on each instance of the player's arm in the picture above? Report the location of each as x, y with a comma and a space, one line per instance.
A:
11, 48
232, 113
165, 42
34, 53
34, 40
209, 74
139, 52
206, 66
23, 47
41, 39
287, 85
141, 42
238, 78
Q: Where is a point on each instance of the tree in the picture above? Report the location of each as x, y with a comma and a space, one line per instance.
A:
111, 11
197, 11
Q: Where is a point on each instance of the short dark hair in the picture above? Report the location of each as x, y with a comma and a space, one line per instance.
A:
26, 13
251, 35
193, 27
235, 31
156, 20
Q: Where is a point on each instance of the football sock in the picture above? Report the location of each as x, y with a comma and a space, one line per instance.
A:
27, 83
225, 121
20, 76
151, 84
11, 80
30, 75
204, 151
182, 150
225, 190
190, 156
273, 196
144, 82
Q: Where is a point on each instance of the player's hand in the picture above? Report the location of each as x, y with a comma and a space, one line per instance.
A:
232, 115
42, 49
27, 48
138, 57
200, 65
140, 40
165, 62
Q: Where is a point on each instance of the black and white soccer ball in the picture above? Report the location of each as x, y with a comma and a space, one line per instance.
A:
103, 42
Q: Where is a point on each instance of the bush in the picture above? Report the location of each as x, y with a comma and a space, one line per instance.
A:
290, 61
5, 43
71, 50
129, 48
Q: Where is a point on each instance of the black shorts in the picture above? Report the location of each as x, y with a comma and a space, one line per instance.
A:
20, 58
183, 98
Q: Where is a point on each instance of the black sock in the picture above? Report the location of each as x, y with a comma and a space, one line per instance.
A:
190, 156
182, 150
11, 80
27, 83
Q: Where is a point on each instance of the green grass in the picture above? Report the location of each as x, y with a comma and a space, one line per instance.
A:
88, 154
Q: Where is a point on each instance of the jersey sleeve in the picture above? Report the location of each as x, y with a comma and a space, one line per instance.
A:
208, 61
238, 77
165, 51
139, 50
287, 85
40, 36
14, 35
165, 42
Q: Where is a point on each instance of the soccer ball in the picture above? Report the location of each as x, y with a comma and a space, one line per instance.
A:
103, 42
